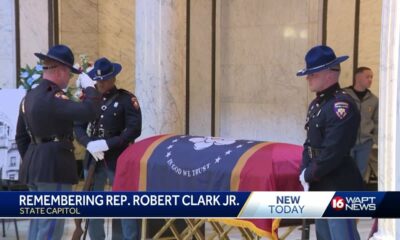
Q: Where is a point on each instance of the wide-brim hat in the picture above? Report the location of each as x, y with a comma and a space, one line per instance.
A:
319, 58
104, 69
61, 54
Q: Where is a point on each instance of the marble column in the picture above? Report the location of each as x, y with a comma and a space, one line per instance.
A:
160, 65
7, 46
260, 97
389, 113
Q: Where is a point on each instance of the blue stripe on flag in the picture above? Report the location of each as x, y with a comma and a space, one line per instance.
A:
188, 163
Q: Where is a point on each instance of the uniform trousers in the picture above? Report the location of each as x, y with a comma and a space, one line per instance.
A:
47, 229
360, 154
336, 229
126, 229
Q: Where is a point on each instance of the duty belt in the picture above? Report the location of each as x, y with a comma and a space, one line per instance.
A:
313, 152
39, 140
102, 133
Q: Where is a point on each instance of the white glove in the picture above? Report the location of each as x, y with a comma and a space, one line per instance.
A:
84, 81
98, 156
97, 146
303, 182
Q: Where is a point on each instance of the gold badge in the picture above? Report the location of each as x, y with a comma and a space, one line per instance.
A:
61, 95
135, 103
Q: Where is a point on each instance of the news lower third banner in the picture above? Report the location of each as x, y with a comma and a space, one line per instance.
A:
241, 205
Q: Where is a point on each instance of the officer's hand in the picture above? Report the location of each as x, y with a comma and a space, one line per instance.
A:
84, 81
97, 146
98, 156
303, 182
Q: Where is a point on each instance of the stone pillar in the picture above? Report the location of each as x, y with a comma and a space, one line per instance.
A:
160, 65
389, 113
8, 45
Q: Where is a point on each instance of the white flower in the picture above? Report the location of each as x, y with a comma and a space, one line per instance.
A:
36, 76
201, 143
39, 68
24, 74
30, 80
34, 85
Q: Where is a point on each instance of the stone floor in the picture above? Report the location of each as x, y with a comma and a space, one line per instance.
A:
364, 226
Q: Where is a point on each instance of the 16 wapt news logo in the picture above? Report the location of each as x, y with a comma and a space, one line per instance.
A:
339, 203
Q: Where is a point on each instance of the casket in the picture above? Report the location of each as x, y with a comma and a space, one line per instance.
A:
196, 163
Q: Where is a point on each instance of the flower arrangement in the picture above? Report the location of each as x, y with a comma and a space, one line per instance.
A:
85, 66
30, 77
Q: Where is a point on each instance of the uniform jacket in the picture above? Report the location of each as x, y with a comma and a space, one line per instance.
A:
120, 123
369, 110
47, 113
332, 124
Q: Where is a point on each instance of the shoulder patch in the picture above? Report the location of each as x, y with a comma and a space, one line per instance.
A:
134, 100
61, 94
135, 103
341, 109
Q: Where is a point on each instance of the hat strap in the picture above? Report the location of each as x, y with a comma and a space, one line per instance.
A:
321, 66
104, 76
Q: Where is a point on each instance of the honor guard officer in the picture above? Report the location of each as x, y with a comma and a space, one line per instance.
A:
44, 133
119, 124
332, 124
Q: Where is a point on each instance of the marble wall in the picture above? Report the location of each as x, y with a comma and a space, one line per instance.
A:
261, 51
116, 37
370, 38
34, 30
340, 36
200, 68
78, 27
100, 28
8, 46
93, 27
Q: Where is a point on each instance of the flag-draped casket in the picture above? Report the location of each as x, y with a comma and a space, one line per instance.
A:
189, 163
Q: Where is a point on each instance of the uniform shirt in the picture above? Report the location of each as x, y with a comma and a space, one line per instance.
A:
332, 124
120, 123
46, 113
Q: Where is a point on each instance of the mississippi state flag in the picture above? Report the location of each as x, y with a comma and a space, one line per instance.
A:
195, 163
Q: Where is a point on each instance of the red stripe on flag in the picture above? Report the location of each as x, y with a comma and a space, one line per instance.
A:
273, 167
128, 167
